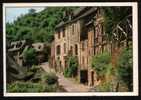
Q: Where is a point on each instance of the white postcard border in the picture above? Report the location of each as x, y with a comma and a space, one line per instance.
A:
135, 49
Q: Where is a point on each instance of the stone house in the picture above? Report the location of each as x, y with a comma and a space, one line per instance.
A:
76, 37
83, 36
16, 50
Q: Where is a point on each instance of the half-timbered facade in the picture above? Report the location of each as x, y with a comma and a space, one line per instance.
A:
83, 36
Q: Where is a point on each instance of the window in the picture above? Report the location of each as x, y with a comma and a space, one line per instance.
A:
60, 63
95, 40
39, 47
71, 49
72, 29
63, 32
18, 44
59, 35
102, 29
83, 60
65, 61
12, 46
76, 49
83, 46
64, 47
58, 50
94, 50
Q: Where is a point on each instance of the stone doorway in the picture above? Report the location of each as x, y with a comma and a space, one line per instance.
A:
84, 76
92, 78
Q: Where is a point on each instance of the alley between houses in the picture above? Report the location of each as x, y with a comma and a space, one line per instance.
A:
69, 84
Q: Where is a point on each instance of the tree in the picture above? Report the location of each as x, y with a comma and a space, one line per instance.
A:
31, 11
115, 21
71, 70
30, 57
124, 69
34, 25
101, 64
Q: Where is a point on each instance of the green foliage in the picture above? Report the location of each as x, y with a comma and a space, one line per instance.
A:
30, 87
24, 33
101, 64
124, 69
51, 88
38, 27
30, 56
50, 78
71, 70
112, 17
104, 87
67, 72
34, 69
25, 87
39, 81
32, 11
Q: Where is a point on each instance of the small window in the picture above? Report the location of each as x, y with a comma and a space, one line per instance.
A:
72, 29
64, 47
58, 50
12, 46
71, 49
39, 47
83, 60
59, 35
60, 63
76, 49
102, 29
18, 44
63, 32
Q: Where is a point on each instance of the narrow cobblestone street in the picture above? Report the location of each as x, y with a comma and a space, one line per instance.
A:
68, 84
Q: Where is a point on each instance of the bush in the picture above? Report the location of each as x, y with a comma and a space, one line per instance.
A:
71, 70
25, 87
124, 70
33, 74
51, 88
104, 87
101, 64
50, 78
30, 56
31, 87
34, 69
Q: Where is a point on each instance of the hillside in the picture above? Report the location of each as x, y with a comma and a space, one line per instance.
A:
37, 27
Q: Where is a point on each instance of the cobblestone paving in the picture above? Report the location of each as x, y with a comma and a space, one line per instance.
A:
68, 84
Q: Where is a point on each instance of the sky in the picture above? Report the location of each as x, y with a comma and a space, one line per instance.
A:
12, 13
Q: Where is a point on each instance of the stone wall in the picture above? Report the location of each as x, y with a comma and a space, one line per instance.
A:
87, 34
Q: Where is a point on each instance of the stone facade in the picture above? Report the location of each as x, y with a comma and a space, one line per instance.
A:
83, 36
81, 33
17, 48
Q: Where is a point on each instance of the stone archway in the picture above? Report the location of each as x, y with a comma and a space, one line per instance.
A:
84, 76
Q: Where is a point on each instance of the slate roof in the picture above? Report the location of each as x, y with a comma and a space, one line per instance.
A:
86, 13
